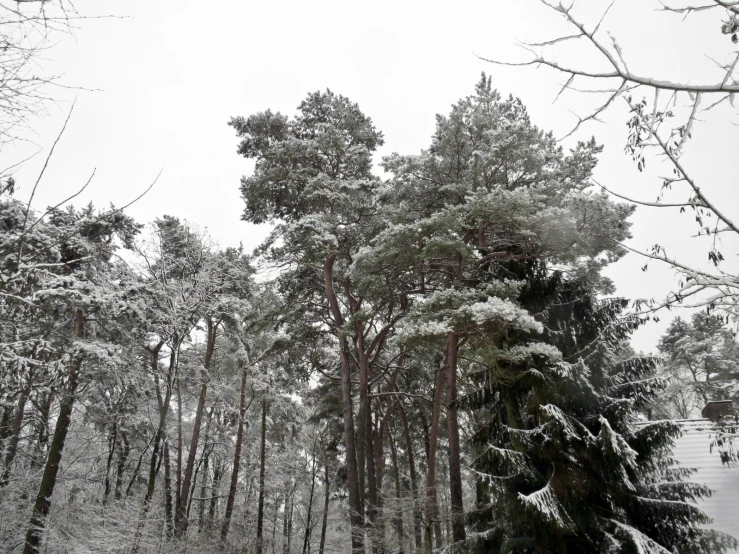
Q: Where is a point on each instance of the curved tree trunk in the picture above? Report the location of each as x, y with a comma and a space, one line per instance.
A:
51, 470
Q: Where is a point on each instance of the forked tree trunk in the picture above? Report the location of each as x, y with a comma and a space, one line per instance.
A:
355, 504
237, 456
262, 460
455, 468
51, 470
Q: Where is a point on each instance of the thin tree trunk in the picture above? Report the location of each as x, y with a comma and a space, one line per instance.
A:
355, 504
326, 499
237, 455
44, 410
163, 403
178, 468
15, 435
5, 426
217, 474
414, 479
113, 441
181, 518
206, 472
167, 489
51, 470
306, 537
285, 543
290, 518
124, 450
398, 520
277, 501
432, 507
262, 461
455, 467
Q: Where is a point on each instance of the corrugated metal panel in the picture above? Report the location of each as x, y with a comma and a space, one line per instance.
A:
693, 450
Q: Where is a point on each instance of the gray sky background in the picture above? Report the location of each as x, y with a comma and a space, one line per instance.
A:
171, 74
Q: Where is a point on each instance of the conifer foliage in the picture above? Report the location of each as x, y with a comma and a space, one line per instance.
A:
431, 361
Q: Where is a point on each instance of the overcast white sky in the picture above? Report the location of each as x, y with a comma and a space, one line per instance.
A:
171, 74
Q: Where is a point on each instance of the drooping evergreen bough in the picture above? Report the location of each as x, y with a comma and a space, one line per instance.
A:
561, 463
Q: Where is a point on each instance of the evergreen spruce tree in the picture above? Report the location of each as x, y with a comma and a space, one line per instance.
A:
563, 464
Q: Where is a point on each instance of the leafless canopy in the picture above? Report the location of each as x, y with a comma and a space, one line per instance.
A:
658, 125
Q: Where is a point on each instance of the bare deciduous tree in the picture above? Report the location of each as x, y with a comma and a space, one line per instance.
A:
661, 123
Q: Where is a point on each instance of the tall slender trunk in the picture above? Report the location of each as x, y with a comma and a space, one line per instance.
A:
308, 521
111, 452
285, 525
181, 518
398, 519
124, 449
277, 500
355, 504
51, 470
290, 518
414, 478
42, 436
163, 400
167, 489
205, 474
15, 435
237, 456
455, 468
217, 474
365, 435
432, 506
262, 461
178, 468
5, 426
326, 499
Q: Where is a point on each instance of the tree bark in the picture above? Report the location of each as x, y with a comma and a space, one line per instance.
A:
306, 536
414, 478
206, 472
433, 525
15, 435
237, 456
181, 518
455, 468
51, 470
262, 461
167, 489
355, 505
124, 449
398, 519
326, 499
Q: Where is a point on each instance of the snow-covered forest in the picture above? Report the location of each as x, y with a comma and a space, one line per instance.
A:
426, 353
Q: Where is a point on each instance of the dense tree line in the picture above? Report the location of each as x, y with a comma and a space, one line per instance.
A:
426, 361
